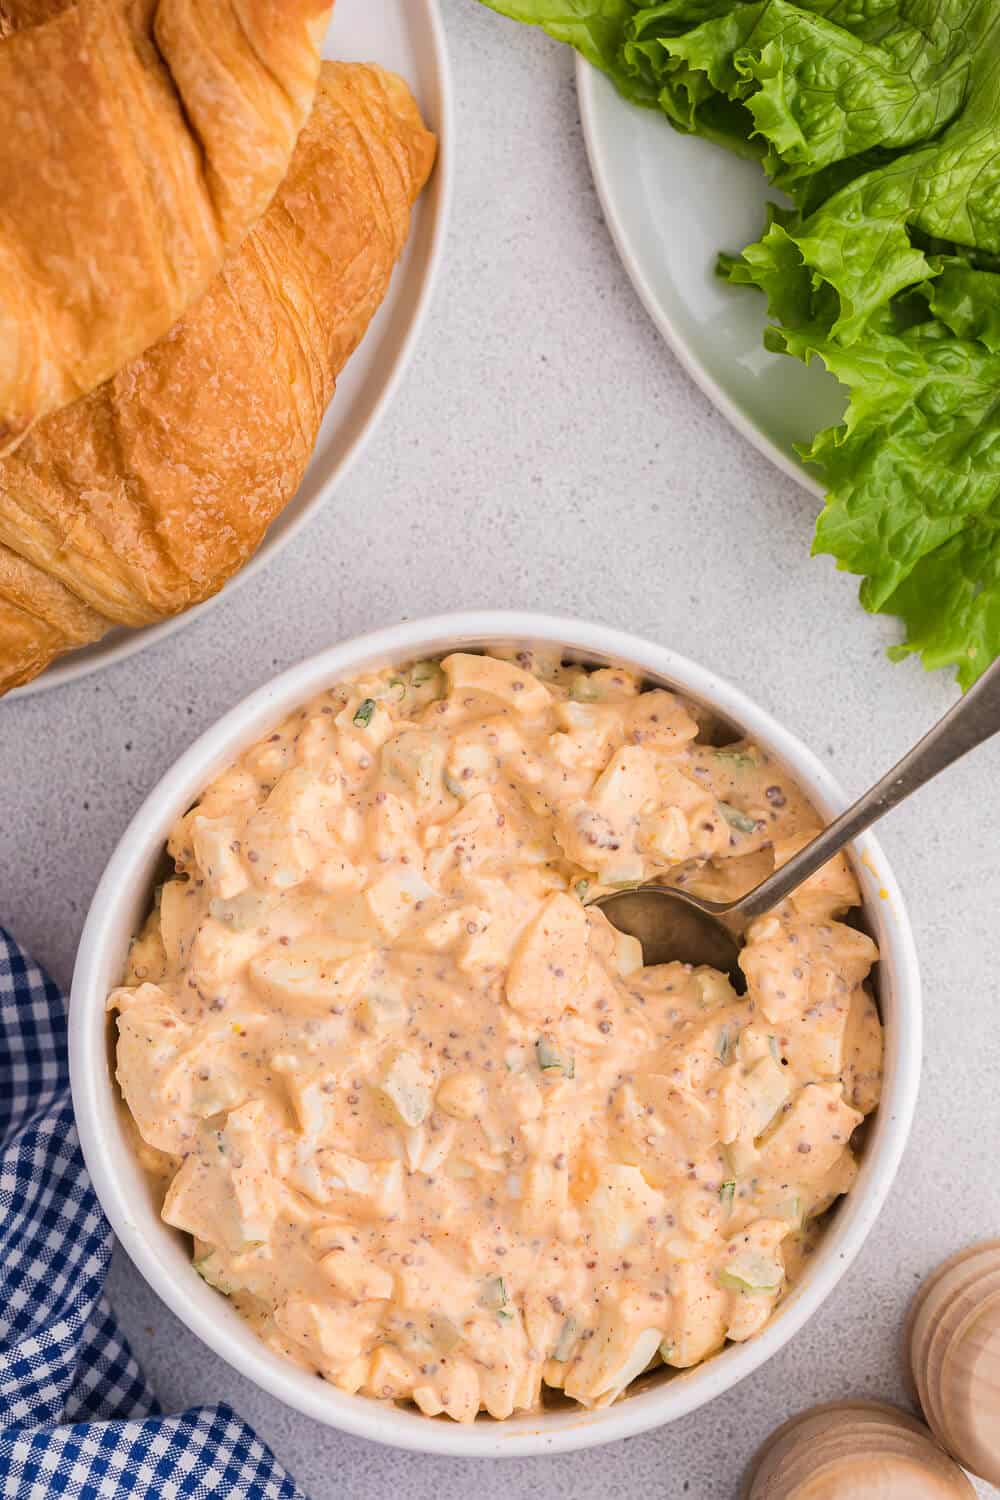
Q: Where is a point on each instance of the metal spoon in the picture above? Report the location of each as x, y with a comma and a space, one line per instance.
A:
674, 926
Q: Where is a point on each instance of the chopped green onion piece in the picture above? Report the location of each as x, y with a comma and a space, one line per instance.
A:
363, 717
424, 671
727, 1193
504, 1313
751, 1271
495, 1293
735, 1283
547, 1055
550, 1060
722, 1046
742, 759
398, 687
209, 1271
736, 819
667, 1349
568, 1334
581, 887
581, 688
445, 1333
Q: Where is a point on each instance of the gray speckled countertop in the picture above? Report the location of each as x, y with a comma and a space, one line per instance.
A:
546, 451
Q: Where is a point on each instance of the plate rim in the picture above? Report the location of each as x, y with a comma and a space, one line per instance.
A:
66, 670
587, 79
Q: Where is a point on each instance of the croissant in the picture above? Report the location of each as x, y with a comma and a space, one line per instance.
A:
142, 498
18, 15
139, 141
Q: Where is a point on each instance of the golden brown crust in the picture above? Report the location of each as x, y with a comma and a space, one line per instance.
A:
144, 497
39, 619
141, 139
18, 15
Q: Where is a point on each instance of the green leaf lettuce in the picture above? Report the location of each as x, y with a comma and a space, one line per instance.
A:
880, 119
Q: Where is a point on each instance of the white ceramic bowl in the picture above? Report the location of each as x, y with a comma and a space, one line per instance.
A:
407, 36
122, 900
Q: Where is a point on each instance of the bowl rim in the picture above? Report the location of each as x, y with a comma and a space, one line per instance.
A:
211, 1319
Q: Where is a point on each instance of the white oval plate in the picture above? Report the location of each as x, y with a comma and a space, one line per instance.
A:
119, 907
407, 36
672, 202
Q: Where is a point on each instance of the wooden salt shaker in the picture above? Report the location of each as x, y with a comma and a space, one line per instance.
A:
953, 1342
854, 1450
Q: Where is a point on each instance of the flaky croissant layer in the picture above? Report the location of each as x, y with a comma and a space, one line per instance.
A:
142, 498
139, 141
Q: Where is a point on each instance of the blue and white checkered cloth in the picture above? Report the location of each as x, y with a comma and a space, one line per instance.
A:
77, 1417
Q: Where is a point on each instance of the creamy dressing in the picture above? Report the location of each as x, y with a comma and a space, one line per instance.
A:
429, 1122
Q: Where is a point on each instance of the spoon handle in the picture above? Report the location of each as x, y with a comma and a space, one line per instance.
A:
970, 721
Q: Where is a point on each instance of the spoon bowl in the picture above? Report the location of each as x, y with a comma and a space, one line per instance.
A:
671, 926
674, 926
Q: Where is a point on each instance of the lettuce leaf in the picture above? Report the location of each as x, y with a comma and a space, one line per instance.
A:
913, 472
918, 453
881, 121
861, 241
819, 93
951, 604
968, 300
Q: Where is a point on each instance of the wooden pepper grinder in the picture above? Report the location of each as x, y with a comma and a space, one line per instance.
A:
954, 1351
854, 1450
